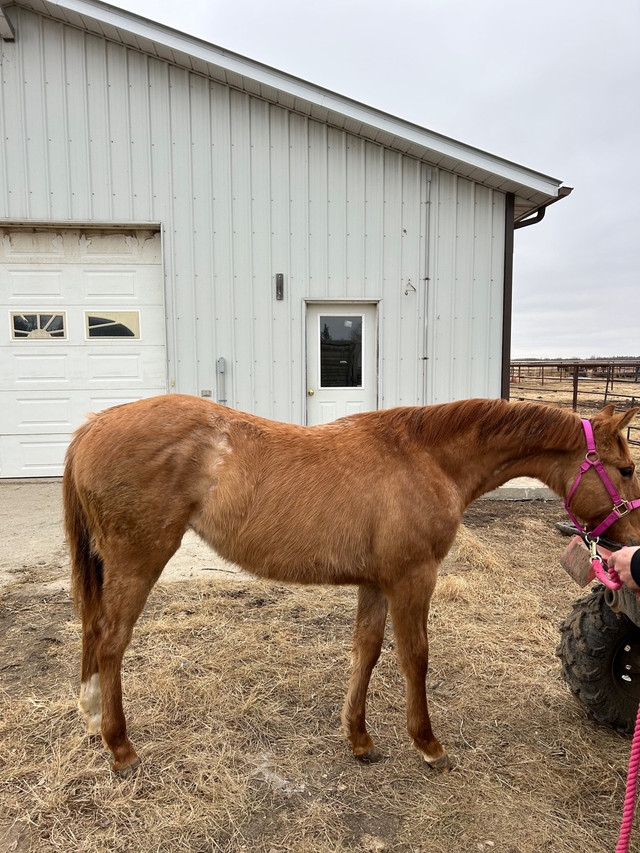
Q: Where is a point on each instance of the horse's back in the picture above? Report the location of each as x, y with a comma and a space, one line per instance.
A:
140, 467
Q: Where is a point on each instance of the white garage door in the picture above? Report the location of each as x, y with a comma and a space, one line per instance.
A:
83, 329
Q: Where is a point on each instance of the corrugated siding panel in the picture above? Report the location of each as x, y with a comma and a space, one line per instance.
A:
412, 280
119, 111
404, 265
284, 340
245, 190
261, 262
373, 220
355, 219
75, 86
392, 285
222, 330
97, 129
139, 88
33, 109
318, 209
55, 90
182, 224
464, 335
337, 214
298, 156
202, 240
14, 191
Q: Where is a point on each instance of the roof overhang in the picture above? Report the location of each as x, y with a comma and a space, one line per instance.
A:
531, 190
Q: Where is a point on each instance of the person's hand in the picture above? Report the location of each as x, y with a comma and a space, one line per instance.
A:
621, 562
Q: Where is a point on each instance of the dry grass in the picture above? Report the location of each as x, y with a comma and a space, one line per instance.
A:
233, 694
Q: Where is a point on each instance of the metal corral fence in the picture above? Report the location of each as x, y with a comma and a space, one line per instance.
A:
584, 385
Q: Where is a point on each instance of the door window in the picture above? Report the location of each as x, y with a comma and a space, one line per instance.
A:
341, 351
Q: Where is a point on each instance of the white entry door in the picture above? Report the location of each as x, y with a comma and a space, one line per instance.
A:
342, 360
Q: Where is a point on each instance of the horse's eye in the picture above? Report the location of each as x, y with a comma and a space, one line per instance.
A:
627, 472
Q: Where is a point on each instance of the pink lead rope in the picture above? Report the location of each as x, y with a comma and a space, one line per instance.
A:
630, 793
610, 579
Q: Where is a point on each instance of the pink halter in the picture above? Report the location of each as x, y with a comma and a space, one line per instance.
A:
620, 506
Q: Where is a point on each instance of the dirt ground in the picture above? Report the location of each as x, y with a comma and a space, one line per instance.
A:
234, 689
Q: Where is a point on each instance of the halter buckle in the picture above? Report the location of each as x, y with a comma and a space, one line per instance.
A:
622, 509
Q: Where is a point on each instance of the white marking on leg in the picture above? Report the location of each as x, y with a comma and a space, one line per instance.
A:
90, 704
442, 762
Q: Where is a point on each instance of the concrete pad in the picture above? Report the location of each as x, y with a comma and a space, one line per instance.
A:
522, 489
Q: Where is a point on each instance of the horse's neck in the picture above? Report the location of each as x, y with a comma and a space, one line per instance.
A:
496, 472
504, 441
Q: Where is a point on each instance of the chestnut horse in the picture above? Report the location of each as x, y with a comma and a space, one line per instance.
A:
373, 500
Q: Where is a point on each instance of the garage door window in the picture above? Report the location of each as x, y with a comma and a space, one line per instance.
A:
38, 327
113, 324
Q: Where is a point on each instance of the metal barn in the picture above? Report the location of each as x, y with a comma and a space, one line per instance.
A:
176, 218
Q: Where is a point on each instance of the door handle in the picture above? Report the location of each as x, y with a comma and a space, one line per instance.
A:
311, 392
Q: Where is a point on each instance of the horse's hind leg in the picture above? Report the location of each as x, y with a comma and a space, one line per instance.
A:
126, 588
90, 703
409, 605
367, 642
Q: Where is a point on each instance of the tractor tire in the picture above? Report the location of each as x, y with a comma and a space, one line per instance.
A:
600, 654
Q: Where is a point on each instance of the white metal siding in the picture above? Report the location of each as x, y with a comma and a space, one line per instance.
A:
465, 305
98, 132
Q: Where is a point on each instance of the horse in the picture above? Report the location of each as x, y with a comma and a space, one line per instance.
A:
373, 500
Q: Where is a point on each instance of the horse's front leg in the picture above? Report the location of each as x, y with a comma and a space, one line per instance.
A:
409, 604
367, 641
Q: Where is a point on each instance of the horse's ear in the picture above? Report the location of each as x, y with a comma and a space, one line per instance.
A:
616, 422
608, 411
625, 418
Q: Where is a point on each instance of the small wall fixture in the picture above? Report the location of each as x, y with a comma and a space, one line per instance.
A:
279, 285
221, 371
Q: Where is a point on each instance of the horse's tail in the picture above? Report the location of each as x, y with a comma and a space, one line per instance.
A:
86, 564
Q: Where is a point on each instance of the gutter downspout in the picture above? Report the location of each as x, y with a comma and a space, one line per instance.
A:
532, 220
7, 32
538, 215
507, 293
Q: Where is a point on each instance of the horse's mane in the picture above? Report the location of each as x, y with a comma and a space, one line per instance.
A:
435, 424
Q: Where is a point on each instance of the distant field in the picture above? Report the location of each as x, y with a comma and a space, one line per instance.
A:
591, 384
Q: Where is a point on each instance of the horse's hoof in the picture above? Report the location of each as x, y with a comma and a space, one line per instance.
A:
372, 757
444, 764
128, 769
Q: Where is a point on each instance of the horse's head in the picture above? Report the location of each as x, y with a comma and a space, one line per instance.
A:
594, 500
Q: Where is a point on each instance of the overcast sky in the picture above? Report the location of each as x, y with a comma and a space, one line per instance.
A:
552, 85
